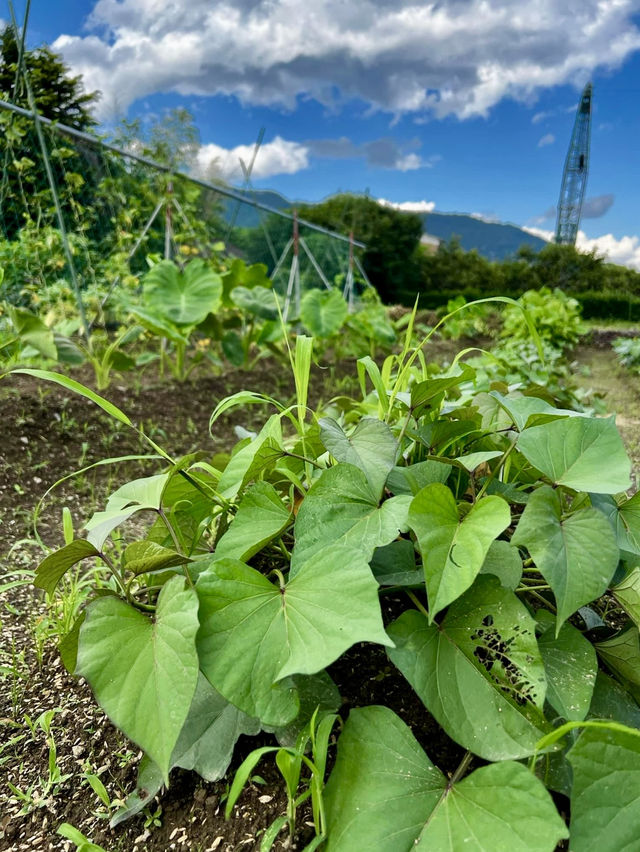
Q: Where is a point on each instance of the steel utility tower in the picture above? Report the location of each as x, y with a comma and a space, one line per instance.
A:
576, 169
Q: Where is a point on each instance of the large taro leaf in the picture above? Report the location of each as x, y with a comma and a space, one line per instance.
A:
583, 453
605, 799
479, 673
384, 794
259, 301
571, 665
261, 516
33, 332
371, 447
183, 297
255, 634
453, 549
340, 508
323, 312
577, 555
143, 672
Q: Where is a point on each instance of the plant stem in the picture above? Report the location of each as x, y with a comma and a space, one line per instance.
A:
461, 770
418, 604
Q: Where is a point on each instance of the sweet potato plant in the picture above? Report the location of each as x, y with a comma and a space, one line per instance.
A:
504, 524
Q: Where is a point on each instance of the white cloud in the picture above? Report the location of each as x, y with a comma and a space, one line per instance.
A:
409, 206
547, 139
624, 251
454, 57
278, 157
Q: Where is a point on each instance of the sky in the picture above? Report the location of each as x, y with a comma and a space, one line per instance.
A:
458, 105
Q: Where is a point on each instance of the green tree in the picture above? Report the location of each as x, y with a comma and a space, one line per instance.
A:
24, 190
391, 259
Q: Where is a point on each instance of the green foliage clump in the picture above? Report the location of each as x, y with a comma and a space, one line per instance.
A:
628, 351
555, 315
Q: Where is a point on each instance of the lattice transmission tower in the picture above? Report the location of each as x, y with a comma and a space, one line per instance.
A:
576, 169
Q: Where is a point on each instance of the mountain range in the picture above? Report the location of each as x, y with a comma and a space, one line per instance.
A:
493, 240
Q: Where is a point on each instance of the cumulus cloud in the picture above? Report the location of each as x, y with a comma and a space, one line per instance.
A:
278, 157
597, 206
443, 58
283, 156
409, 206
624, 251
547, 139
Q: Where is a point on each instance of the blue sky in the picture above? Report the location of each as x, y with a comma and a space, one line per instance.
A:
464, 105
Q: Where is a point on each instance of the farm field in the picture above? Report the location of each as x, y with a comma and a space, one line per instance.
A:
54, 432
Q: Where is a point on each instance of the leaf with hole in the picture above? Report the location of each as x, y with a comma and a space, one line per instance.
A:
479, 672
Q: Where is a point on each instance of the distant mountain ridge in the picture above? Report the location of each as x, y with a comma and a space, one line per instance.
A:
493, 240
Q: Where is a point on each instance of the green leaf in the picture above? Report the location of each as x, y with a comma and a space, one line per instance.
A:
53, 567
504, 562
186, 297
143, 672
340, 508
627, 593
453, 549
624, 518
371, 447
409, 480
622, 654
241, 465
142, 557
76, 387
233, 348
255, 634
425, 393
530, 410
479, 673
261, 517
577, 555
135, 496
471, 461
571, 665
68, 645
605, 799
158, 325
316, 691
384, 794
33, 332
259, 301
323, 312
583, 453
395, 564
612, 701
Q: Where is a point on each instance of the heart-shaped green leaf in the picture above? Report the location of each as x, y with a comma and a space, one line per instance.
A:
254, 634
142, 557
583, 453
261, 516
371, 447
340, 508
183, 297
323, 312
379, 763
605, 799
453, 549
571, 665
479, 673
143, 672
53, 567
576, 555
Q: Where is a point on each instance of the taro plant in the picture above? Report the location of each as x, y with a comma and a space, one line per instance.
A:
484, 542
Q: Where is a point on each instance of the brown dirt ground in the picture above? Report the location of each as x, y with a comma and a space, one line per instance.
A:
47, 432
